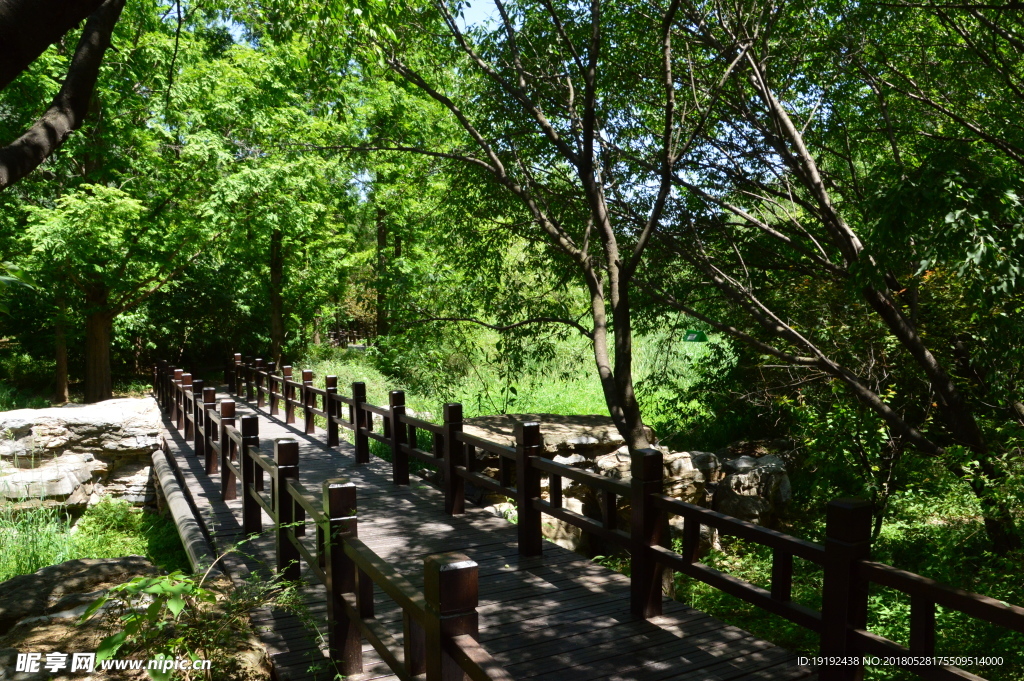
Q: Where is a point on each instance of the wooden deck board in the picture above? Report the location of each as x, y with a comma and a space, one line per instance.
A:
557, 617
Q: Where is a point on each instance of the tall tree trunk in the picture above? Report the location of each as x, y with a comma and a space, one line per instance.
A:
61, 351
276, 301
99, 323
382, 263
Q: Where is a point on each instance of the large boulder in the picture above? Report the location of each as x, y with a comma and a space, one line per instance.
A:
52, 589
67, 455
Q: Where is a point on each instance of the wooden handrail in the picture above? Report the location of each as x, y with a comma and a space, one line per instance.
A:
842, 622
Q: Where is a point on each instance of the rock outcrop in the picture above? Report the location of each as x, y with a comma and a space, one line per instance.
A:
752, 488
67, 455
59, 588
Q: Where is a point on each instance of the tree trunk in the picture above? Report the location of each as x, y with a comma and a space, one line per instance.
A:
61, 342
382, 263
276, 301
99, 322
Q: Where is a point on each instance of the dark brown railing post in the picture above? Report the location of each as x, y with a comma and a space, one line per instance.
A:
227, 445
454, 455
344, 640
399, 457
333, 409
844, 594
450, 589
286, 455
359, 421
271, 382
168, 388
252, 521
184, 387
172, 388
238, 374
249, 385
258, 380
308, 400
204, 448
196, 407
646, 528
287, 394
528, 444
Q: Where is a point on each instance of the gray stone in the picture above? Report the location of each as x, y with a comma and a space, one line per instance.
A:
740, 464
65, 455
43, 592
588, 435
757, 493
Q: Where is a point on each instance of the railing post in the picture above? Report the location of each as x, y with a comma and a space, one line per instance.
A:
229, 375
196, 409
237, 374
359, 417
184, 387
252, 521
344, 640
454, 455
528, 445
272, 397
286, 455
308, 398
288, 394
399, 457
208, 435
258, 380
844, 594
451, 592
646, 529
250, 375
333, 409
227, 477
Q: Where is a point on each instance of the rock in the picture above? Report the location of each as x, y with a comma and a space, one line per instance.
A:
66, 479
58, 455
587, 435
755, 493
565, 535
739, 465
44, 591
686, 473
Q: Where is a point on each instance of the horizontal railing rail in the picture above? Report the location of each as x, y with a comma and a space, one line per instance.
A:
845, 555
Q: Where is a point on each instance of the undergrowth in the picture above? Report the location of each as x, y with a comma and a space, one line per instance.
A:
31, 539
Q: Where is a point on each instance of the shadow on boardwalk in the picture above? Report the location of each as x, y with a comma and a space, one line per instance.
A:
558, 617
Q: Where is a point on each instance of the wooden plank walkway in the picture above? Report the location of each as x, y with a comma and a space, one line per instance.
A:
557, 617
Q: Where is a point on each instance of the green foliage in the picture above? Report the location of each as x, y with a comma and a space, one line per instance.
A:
32, 539
175, 616
43, 535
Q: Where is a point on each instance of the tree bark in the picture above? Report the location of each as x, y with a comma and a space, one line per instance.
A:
28, 27
69, 107
276, 299
61, 351
382, 263
99, 322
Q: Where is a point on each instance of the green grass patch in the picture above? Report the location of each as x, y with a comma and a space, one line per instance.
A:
34, 538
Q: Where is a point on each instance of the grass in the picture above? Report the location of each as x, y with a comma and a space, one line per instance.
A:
13, 398
34, 538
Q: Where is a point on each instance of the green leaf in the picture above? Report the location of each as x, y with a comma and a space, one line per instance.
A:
109, 646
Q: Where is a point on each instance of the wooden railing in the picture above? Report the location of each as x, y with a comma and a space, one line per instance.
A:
440, 623
844, 556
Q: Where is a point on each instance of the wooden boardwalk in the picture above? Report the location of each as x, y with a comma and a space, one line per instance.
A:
559, 617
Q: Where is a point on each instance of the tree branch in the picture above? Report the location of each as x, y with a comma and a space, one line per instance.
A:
69, 107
